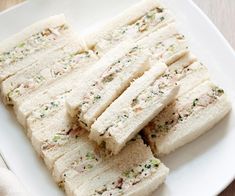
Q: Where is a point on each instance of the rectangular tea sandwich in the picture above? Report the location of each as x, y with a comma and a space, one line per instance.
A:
187, 118
134, 171
134, 23
130, 112
22, 49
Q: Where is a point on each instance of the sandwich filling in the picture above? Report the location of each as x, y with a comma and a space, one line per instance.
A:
128, 178
35, 43
165, 49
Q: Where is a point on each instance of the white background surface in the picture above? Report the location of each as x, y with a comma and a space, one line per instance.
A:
203, 167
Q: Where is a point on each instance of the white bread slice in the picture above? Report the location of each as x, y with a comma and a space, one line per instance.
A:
187, 118
134, 172
43, 72
183, 62
57, 135
135, 23
24, 48
104, 84
130, 112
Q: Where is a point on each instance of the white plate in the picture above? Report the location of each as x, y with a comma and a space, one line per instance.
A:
204, 167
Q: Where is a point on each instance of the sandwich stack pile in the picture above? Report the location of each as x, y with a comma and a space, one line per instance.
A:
99, 109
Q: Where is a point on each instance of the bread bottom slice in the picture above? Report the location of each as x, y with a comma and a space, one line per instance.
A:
133, 155
187, 118
130, 112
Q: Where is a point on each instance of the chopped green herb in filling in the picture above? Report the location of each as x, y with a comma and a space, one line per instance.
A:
128, 178
145, 23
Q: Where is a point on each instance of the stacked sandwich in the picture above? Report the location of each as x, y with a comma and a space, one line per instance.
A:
87, 104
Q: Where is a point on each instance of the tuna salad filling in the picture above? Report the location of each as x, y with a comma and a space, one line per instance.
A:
177, 113
128, 178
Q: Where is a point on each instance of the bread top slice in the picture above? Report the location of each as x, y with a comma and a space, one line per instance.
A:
135, 22
128, 172
188, 117
27, 46
104, 84
183, 62
43, 72
130, 112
